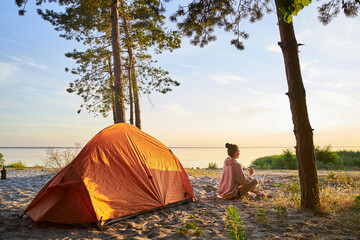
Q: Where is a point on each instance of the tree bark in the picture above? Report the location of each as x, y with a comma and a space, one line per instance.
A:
131, 98
132, 67
302, 129
119, 78
136, 97
112, 89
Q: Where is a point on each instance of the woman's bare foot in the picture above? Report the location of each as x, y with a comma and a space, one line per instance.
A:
258, 193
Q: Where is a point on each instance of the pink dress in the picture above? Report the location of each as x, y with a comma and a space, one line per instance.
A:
232, 178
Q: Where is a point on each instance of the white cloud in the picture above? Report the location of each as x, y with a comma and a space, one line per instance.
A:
49, 98
338, 46
219, 78
273, 48
176, 109
253, 91
13, 134
5, 115
258, 113
314, 72
336, 78
311, 72
331, 99
28, 61
306, 65
338, 41
11, 41
226, 78
322, 76
59, 126
336, 84
331, 108
7, 72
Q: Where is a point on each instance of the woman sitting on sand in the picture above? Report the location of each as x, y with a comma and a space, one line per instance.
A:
233, 182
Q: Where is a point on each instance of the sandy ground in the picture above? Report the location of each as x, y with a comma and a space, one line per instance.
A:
208, 212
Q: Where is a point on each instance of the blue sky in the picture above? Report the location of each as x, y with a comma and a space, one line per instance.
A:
225, 95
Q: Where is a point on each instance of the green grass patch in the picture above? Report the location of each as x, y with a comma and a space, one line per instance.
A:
357, 203
293, 186
200, 212
261, 214
190, 225
234, 225
17, 165
281, 211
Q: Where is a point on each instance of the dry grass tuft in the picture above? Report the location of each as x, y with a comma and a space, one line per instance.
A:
338, 192
204, 172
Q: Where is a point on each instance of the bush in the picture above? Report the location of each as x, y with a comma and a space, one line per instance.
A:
349, 159
325, 155
277, 162
325, 159
59, 159
262, 163
2, 161
17, 165
213, 165
284, 161
289, 159
322, 166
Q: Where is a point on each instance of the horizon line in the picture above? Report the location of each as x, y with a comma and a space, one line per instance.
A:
62, 147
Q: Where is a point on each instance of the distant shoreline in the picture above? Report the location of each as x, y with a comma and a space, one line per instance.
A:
169, 147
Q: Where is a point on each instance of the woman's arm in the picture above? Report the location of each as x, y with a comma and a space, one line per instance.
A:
239, 175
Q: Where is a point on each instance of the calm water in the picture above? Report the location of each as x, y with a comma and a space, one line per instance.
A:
188, 156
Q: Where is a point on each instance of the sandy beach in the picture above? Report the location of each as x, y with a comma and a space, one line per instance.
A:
260, 219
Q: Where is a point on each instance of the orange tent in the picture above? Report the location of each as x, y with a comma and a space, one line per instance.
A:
121, 171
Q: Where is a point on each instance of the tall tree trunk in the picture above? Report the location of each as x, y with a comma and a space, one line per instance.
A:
136, 95
119, 78
130, 95
112, 89
132, 66
302, 129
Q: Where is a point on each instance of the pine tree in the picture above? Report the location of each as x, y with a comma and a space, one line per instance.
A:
103, 79
80, 19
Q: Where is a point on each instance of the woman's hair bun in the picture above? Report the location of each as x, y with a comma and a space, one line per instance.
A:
231, 149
